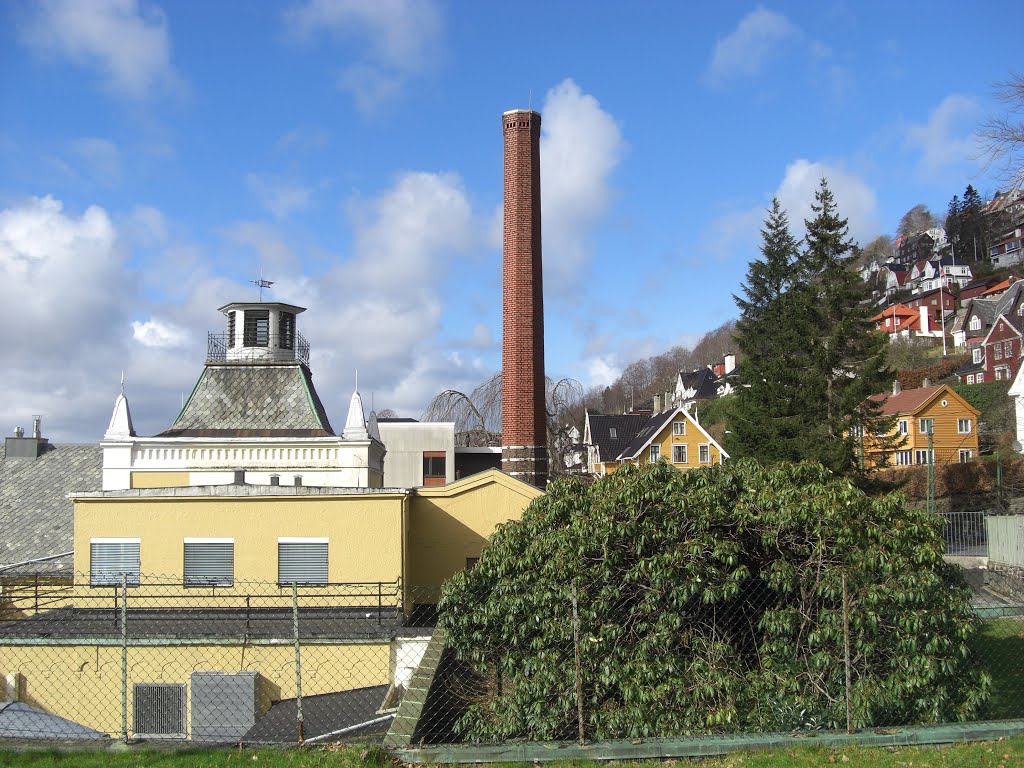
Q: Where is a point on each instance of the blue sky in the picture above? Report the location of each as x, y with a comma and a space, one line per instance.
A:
157, 156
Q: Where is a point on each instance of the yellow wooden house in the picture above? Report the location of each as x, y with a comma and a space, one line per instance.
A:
673, 435
933, 425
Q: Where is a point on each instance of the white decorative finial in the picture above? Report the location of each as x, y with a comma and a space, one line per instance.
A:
357, 379
122, 381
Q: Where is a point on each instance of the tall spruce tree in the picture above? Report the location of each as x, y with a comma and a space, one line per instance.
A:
845, 354
953, 226
811, 353
764, 424
972, 225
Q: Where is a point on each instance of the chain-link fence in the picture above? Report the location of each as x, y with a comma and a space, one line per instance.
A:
148, 658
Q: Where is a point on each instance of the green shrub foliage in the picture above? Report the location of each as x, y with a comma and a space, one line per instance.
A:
712, 601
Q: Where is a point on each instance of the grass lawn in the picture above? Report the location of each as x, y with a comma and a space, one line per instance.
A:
1001, 645
998, 754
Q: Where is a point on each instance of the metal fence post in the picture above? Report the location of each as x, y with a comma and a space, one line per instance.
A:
298, 660
846, 654
124, 657
579, 670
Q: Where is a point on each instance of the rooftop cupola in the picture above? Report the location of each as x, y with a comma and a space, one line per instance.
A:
259, 332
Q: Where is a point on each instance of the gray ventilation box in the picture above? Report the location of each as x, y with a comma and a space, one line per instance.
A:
224, 706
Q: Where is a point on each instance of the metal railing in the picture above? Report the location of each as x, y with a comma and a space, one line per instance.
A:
271, 347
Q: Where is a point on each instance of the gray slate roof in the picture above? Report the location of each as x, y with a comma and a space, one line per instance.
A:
21, 721
36, 518
626, 427
246, 400
323, 714
990, 309
703, 381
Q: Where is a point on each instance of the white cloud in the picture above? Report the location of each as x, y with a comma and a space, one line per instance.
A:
760, 36
480, 338
855, 200
275, 256
102, 157
130, 45
277, 195
946, 139
159, 333
398, 39
601, 371
580, 147
62, 283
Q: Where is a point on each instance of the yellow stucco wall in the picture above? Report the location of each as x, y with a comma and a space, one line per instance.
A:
451, 523
364, 532
159, 479
83, 683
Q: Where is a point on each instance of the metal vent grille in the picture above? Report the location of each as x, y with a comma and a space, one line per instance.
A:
159, 710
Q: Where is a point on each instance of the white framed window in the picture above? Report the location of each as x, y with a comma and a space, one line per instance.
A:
1000, 373
209, 562
970, 378
997, 351
976, 355
904, 458
655, 453
923, 456
613, 433
301, 560
963, 426
704, 453
1008, 348
926, 426
975, 323
678, 454
678, 428
110, 558
966, 455
979, 379
159, 710
902, 427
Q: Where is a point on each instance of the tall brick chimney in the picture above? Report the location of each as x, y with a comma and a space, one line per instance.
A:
524, 452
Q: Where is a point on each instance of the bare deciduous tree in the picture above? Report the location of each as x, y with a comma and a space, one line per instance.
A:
1002, 135
917, 219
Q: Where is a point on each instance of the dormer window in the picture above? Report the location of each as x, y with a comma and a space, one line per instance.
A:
257, 328
612, 433
975, 323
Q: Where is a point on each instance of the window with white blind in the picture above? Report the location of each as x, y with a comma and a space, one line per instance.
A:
109, 559
209, 562
301, 561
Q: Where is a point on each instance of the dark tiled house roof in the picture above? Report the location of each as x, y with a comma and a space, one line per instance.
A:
252, 401
654, 425
988, 310
625, 426
703, 381
36, 518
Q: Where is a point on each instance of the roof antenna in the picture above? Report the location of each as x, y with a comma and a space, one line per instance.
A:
261, 283
122, 381
357, 379
529, 100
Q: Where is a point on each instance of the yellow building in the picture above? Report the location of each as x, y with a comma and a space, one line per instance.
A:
243, 571
673, 435
933, 425
207, 580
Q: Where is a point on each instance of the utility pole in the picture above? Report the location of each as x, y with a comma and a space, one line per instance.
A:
931, 470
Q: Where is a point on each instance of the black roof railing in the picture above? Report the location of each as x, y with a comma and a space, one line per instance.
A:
264, 347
